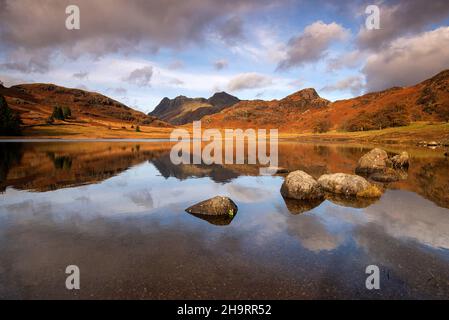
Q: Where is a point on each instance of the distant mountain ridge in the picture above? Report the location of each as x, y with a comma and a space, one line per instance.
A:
301, 112
182, 110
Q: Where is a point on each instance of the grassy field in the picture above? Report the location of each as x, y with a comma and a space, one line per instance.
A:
80, 131
412, 134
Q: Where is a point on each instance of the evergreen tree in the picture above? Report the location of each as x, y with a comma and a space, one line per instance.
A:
9, 120
57, 113
66, 112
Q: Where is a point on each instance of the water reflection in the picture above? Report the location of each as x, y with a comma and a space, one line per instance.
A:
117, 211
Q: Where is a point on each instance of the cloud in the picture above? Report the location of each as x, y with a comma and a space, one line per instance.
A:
400, 19
176, 81
350, 59
297, 83
312, 44
354, 84
124, 26
408, 60
82, 87
220, 64
9, 81
231, 30
81, 75
176, 65
140, 77
249, 81
25, 61
118, 91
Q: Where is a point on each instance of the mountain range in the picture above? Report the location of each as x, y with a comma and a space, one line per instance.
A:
305, 111
301, 112
183, 110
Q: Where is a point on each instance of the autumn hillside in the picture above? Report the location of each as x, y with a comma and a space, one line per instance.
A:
36, 102
305, 112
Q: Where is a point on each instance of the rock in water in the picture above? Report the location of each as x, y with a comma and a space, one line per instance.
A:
344, 184
300, 206
301, 186
374, 161
401, 160
388, 175
216, 206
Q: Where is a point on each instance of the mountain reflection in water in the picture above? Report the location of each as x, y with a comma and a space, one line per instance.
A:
116, 209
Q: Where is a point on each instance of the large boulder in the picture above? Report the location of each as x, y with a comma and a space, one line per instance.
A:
217, 206
345, 184
401, 160
374, 161
301, 186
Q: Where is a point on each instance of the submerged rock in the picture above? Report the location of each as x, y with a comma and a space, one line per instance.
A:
300, 206
222, 220
345, 184
301, 186
432, 144
352, 202
374, 161
388, 175
217, 206
401, 160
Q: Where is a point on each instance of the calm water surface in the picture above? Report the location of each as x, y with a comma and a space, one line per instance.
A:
116, 210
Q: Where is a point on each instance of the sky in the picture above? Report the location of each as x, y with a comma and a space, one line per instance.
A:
140, 51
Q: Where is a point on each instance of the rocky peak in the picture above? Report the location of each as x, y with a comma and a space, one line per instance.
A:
222, 100
304, 98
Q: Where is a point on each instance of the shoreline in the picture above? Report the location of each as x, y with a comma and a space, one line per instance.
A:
414, 134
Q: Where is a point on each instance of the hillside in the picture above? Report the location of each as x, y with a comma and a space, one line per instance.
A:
90, 111
182, 110
305, 112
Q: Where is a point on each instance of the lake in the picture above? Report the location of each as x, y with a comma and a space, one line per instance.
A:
116, 210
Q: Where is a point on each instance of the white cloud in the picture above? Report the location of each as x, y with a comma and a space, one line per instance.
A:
400, 19
249, 81
353, 83
408, 60
141, 77
312, 44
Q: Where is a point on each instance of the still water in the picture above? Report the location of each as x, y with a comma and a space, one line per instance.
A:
116, 210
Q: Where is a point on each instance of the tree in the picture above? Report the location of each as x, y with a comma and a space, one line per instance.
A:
66, 112
57, 113
321, 126
50, 120
393, 115
137, 129
9, 120
444, 112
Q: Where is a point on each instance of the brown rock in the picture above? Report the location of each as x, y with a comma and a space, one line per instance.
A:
343, 184
217, 206
388, 175
301, 186
374, 161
